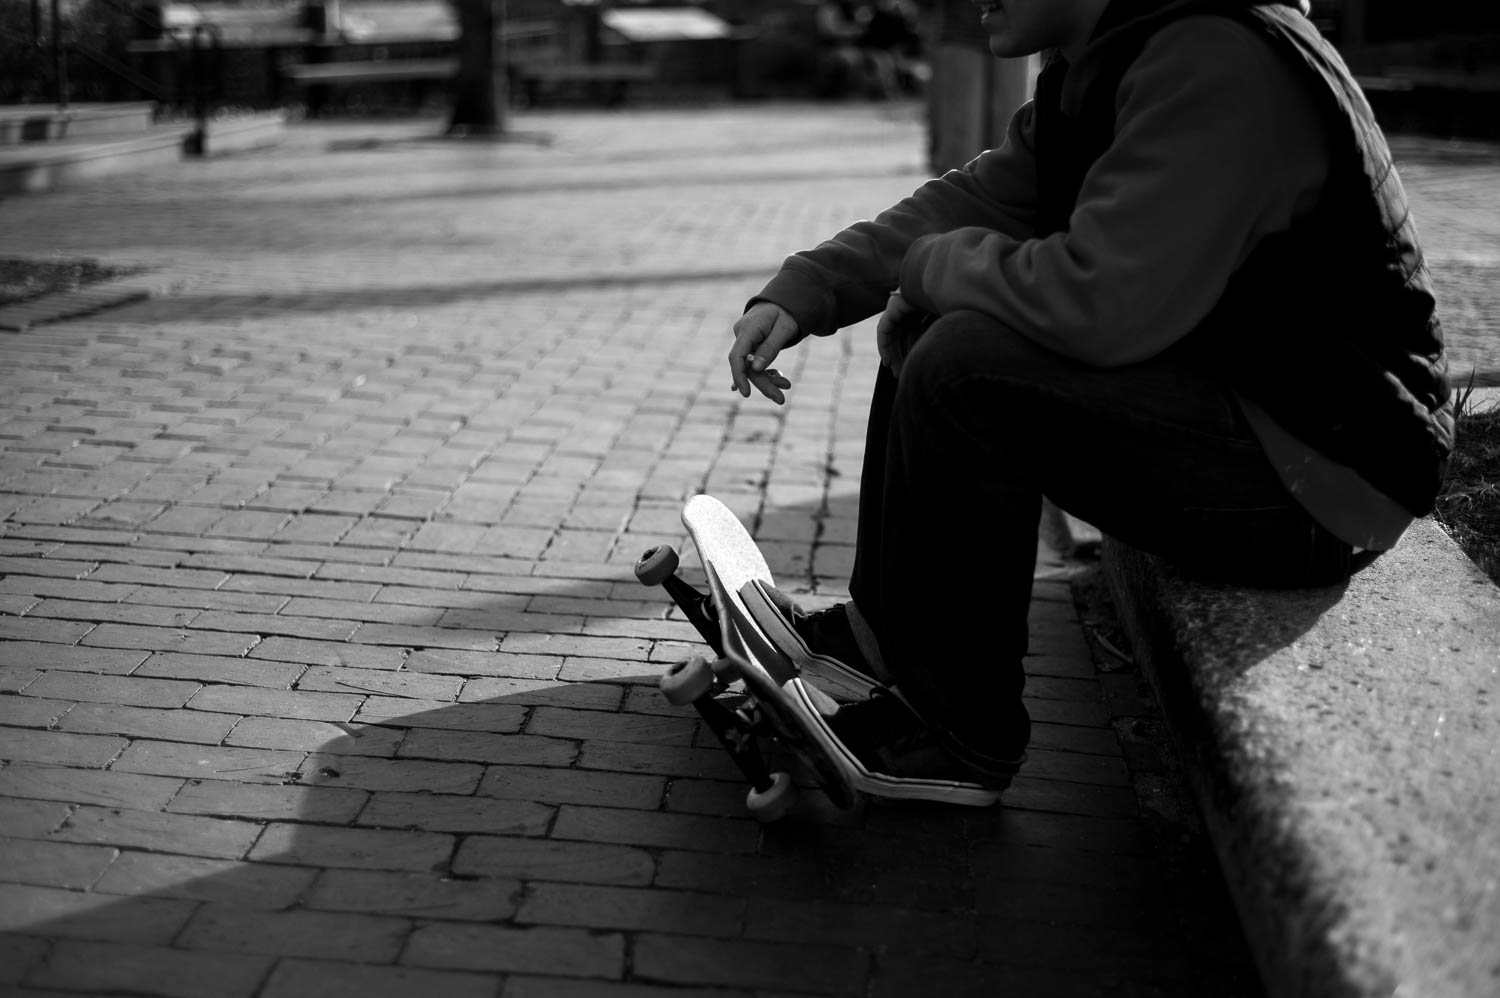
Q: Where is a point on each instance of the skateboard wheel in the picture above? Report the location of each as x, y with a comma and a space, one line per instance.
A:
687, 681
773, 802
656, 565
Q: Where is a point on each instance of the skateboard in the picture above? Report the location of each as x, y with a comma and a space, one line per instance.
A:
760, 685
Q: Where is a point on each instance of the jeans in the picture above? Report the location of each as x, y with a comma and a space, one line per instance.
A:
958, 454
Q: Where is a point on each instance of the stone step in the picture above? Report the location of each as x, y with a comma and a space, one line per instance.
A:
24, 124
1341, 744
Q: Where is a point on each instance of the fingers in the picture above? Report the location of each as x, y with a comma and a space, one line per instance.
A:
770, 383
884, 340
888, 336
746, 339
749, 332
760, 334
896, 332
782, 333
893, 354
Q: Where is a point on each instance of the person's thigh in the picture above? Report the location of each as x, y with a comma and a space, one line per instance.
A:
1153, 454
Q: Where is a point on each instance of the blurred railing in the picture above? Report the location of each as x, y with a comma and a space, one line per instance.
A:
196, 52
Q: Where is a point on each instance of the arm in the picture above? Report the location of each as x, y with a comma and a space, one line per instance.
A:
849, 277
1216, 146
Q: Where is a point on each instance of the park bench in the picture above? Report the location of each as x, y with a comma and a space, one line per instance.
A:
1341, 744
372, 71
606, 83
318, 77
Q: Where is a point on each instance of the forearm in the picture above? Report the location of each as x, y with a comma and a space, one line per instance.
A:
848, 278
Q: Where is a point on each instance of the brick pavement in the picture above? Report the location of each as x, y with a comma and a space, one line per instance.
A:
324, 667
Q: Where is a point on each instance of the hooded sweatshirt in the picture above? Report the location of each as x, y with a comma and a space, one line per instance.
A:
1129, 202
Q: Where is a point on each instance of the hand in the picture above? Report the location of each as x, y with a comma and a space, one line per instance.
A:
759, 336
897, 331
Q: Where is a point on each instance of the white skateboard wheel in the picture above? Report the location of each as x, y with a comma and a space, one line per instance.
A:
656, 565
775, 801
687, 681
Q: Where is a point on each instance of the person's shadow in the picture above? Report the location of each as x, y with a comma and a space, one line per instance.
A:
555, 825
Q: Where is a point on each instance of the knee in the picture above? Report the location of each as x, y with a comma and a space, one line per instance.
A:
960, 344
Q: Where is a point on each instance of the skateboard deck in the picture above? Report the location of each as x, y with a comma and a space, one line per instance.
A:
756, 647
795, 708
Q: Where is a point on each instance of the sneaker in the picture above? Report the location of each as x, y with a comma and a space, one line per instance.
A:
893, 743
822, 644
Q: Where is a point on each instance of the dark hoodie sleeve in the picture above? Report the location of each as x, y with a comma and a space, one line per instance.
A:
848, 278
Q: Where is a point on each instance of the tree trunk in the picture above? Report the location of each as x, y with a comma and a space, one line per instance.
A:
479, 88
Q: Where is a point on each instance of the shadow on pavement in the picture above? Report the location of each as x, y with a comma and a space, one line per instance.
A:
542, 831
190, 308
586, 831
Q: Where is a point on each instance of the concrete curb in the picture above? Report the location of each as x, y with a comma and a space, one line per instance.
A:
1342, 745
27, 170
236, 135
33, 123
38, 167
24, 315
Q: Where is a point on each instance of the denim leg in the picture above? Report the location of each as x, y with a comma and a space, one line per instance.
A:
959, 452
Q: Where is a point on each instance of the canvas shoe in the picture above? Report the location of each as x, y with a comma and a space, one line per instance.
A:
892, 742
879, 742
825, 645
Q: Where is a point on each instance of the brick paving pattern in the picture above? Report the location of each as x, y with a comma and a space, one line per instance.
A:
323, 668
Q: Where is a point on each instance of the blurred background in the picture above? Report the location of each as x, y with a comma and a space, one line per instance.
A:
1433, 67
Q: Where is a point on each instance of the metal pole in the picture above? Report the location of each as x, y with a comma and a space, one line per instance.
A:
501, 72
59, 67
198, 141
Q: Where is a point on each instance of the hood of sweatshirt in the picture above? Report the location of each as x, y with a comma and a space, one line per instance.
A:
1126, 21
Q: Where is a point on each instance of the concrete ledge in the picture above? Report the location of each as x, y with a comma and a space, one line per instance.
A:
20, 123
1344, 747
253, 131
36, 167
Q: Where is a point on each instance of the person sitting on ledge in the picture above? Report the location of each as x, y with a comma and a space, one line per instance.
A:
1185, 300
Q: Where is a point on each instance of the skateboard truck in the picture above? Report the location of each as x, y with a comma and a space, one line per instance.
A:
696, 681
657, 566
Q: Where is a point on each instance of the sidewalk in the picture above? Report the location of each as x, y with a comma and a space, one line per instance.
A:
329, 671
